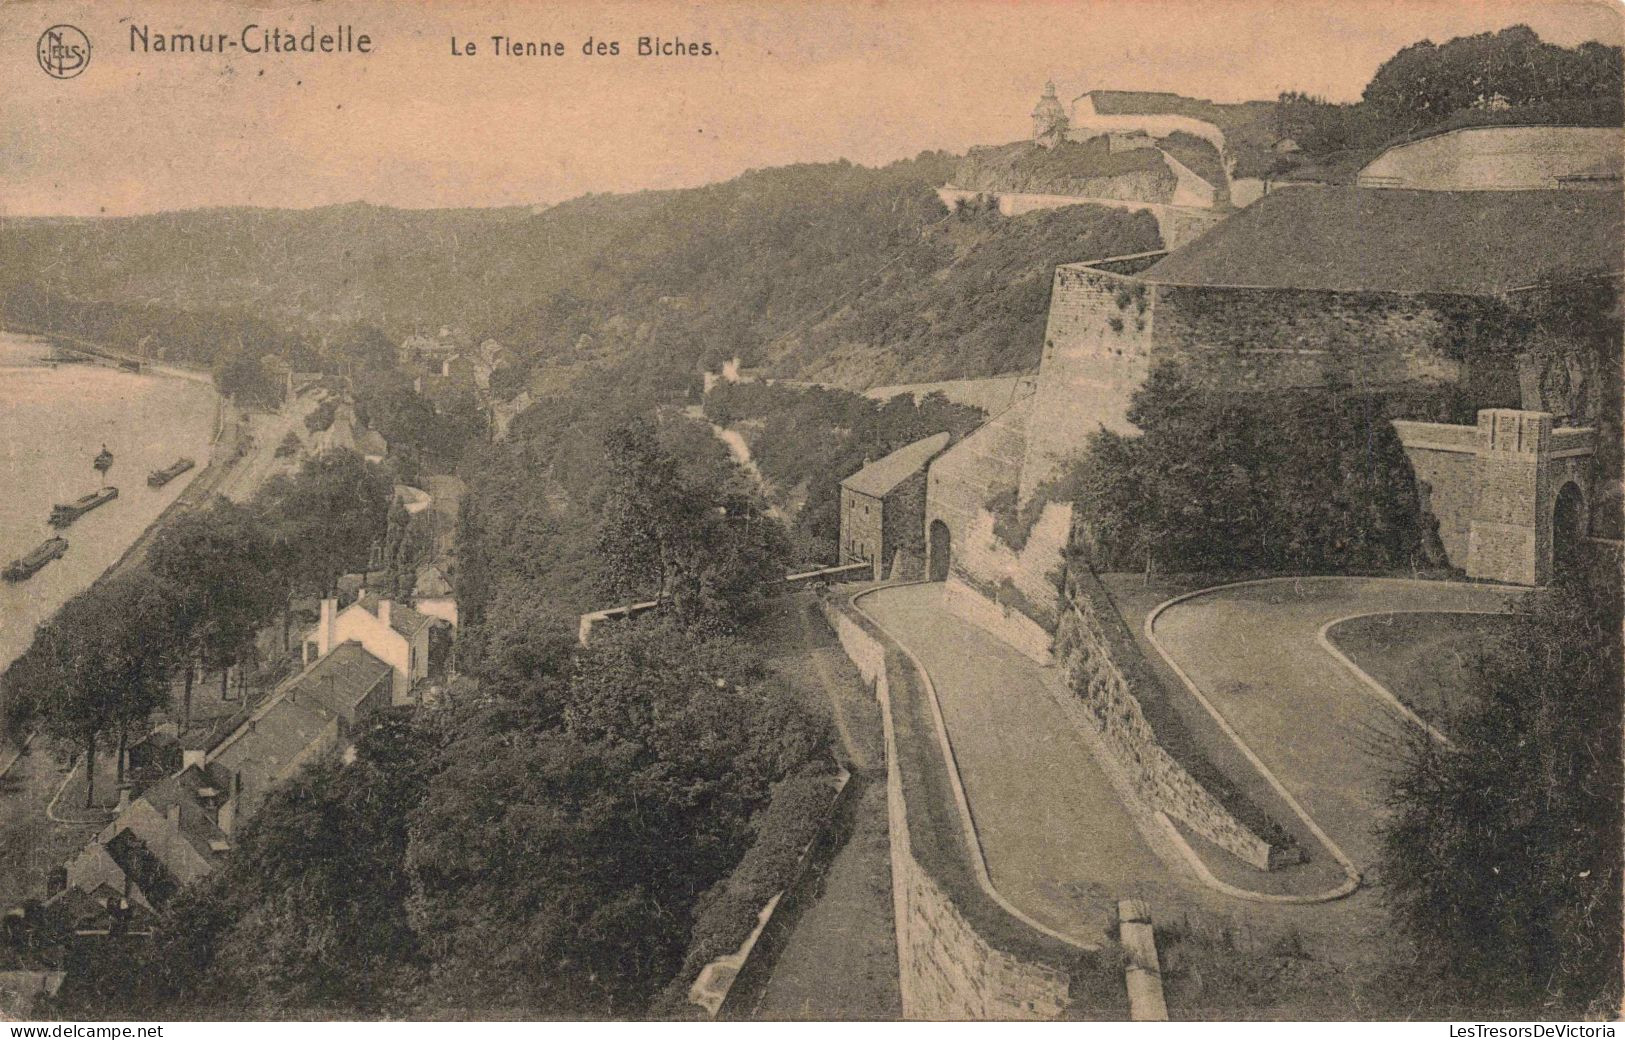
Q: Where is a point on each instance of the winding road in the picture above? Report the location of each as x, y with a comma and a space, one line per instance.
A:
1056, 837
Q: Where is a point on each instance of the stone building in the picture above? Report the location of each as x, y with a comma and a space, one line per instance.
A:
1507, 301
883, 508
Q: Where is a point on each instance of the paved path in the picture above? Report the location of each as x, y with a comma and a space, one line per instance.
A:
1058, 842
1254, 652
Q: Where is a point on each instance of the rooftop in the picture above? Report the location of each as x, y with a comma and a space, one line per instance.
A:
878, 478
341, 681
402, 618
1391, 240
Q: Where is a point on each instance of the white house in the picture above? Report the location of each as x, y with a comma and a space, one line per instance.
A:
392, 632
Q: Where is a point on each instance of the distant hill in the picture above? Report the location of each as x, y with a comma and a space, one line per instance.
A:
831, 271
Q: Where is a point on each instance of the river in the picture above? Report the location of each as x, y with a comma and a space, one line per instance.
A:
53, 421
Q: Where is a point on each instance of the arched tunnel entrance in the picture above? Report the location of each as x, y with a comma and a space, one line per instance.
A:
1568, 526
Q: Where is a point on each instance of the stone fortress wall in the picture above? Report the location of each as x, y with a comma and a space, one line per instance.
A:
1104, 667
1502, 158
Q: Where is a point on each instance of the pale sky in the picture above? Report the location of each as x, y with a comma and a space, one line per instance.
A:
413, 125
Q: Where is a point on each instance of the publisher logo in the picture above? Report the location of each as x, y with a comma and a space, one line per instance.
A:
63, 51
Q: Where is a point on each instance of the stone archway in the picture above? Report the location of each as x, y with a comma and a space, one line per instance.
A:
939, 552
1568, 525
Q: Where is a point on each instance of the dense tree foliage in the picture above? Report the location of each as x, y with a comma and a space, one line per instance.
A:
538, 852
706, 552
1505, 78
1311, 482
1426, 83
221, 564
1502, 856
100, 667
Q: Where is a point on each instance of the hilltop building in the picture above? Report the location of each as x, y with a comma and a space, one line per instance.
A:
1184, 160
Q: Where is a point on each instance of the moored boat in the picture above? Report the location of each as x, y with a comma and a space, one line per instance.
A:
160, 477
63, 515
27, 566
104, 461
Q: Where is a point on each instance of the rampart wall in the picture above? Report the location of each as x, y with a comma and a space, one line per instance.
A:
1104, 668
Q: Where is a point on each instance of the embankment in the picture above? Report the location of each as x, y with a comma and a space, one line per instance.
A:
1104, 667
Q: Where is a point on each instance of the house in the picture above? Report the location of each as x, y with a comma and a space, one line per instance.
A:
391, 632
883, 508
312, 713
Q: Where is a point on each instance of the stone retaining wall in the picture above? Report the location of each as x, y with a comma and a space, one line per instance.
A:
1103, 671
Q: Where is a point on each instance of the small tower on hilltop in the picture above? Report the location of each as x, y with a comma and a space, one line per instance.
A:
1049, 117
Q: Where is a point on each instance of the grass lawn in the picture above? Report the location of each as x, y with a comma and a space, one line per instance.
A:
1426, 660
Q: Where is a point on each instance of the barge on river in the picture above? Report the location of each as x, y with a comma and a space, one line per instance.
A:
63, 515
26, 567
160, 477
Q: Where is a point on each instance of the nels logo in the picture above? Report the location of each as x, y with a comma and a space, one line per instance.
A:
63, 51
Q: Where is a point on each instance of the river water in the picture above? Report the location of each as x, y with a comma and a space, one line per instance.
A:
53, 421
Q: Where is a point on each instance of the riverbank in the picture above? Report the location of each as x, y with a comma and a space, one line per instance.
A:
85, 346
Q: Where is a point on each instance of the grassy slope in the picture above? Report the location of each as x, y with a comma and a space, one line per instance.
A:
1426, 660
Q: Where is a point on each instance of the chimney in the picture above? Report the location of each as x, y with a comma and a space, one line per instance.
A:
174, 816
123, 798
324, 627
226, 818
383, 611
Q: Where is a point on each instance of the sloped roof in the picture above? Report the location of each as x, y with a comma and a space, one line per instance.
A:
431, 582
878, 478
341, 680
152, 878
278, 736
402, 618
1389, 240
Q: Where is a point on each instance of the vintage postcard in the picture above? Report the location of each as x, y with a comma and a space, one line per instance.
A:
773, 510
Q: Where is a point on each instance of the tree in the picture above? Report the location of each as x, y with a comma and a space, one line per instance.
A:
101, 666
1315, 480
222, 569
1426, 83
706, 552
330, 514
559, 856
240, 373
1501, 857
